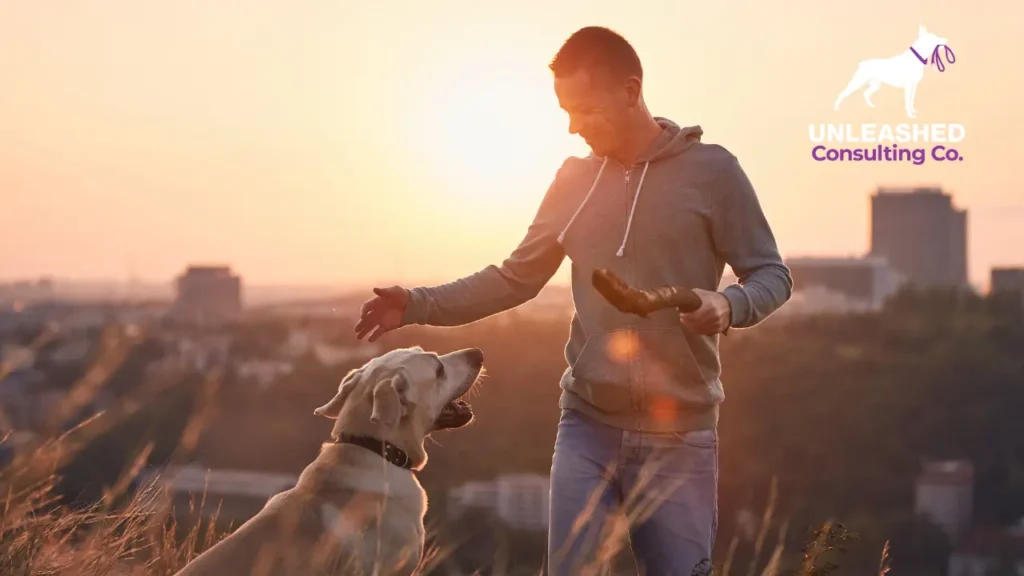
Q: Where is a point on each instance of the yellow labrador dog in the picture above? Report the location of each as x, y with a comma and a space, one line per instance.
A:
358, 508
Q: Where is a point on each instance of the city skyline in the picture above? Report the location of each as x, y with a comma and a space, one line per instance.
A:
888, 232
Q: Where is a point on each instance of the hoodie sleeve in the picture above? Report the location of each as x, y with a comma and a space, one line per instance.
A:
495, 288
746, 242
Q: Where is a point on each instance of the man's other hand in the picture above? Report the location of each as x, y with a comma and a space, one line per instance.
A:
713, 317
382, 313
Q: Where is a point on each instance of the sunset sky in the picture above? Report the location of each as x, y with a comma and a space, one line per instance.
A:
342, 142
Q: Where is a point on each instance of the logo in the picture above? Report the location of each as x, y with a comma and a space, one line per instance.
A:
902, 71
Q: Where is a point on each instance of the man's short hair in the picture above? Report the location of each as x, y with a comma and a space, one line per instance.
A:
597, 49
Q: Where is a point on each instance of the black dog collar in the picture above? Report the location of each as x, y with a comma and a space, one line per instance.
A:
385, 450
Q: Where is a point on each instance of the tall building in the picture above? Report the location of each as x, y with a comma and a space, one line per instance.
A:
922, 235
207, 293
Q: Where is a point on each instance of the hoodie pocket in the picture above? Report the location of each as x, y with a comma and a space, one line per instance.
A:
669, 371
601, 370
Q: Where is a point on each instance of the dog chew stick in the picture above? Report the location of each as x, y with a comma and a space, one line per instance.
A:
643, 302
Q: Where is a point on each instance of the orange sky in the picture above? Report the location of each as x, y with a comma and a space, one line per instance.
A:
334, 142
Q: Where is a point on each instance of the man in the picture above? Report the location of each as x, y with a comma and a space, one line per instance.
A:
656, 206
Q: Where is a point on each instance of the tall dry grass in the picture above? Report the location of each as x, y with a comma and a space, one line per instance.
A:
129, 531
132, 529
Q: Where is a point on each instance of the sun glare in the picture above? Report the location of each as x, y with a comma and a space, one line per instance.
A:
490, 130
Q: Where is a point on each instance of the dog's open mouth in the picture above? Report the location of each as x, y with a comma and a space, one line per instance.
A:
455, 414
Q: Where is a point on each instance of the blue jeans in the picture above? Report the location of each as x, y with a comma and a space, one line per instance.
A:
659, 489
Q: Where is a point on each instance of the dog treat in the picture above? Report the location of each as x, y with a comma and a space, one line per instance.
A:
643, 302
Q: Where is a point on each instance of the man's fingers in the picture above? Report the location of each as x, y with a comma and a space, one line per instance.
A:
701, 312
378, 311
368, 313
363, 319
697, 316
365, 324
701, 321
377, 333
691, 323
360, 329
700, 327
368, 306
373, 331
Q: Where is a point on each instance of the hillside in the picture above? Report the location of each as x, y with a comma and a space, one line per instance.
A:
841, 410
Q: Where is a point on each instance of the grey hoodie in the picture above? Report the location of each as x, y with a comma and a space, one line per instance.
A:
677, 216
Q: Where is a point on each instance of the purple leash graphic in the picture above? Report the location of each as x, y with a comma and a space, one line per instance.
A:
936, 58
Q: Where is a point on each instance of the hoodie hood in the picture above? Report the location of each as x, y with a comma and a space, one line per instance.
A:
672, 141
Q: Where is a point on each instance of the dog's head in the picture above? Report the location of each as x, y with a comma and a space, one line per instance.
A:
928, 40
404, 395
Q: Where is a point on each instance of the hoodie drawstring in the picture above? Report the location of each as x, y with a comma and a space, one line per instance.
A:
632, 210
584, 203
629, 222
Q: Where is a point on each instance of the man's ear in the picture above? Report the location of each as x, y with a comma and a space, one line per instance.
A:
633, 88
389, 401
333, 408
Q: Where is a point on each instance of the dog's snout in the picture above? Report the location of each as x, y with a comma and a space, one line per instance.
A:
476, 357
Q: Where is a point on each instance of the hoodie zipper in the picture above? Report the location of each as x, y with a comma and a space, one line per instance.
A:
631, 329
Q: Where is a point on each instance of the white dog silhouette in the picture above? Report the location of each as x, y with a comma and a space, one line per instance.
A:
904, 70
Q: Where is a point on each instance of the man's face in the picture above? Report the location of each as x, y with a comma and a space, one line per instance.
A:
597, 109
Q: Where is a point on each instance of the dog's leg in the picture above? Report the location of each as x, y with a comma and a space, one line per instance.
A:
858, 80
909, 95
873, 86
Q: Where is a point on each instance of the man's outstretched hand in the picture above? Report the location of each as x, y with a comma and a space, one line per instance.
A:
382, 313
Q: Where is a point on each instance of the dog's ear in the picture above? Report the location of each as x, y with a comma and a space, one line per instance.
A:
389, 404
333, 408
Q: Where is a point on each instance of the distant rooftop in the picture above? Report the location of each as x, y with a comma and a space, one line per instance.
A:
197, 479
891, 190
208, 269
837, 260
947, 472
